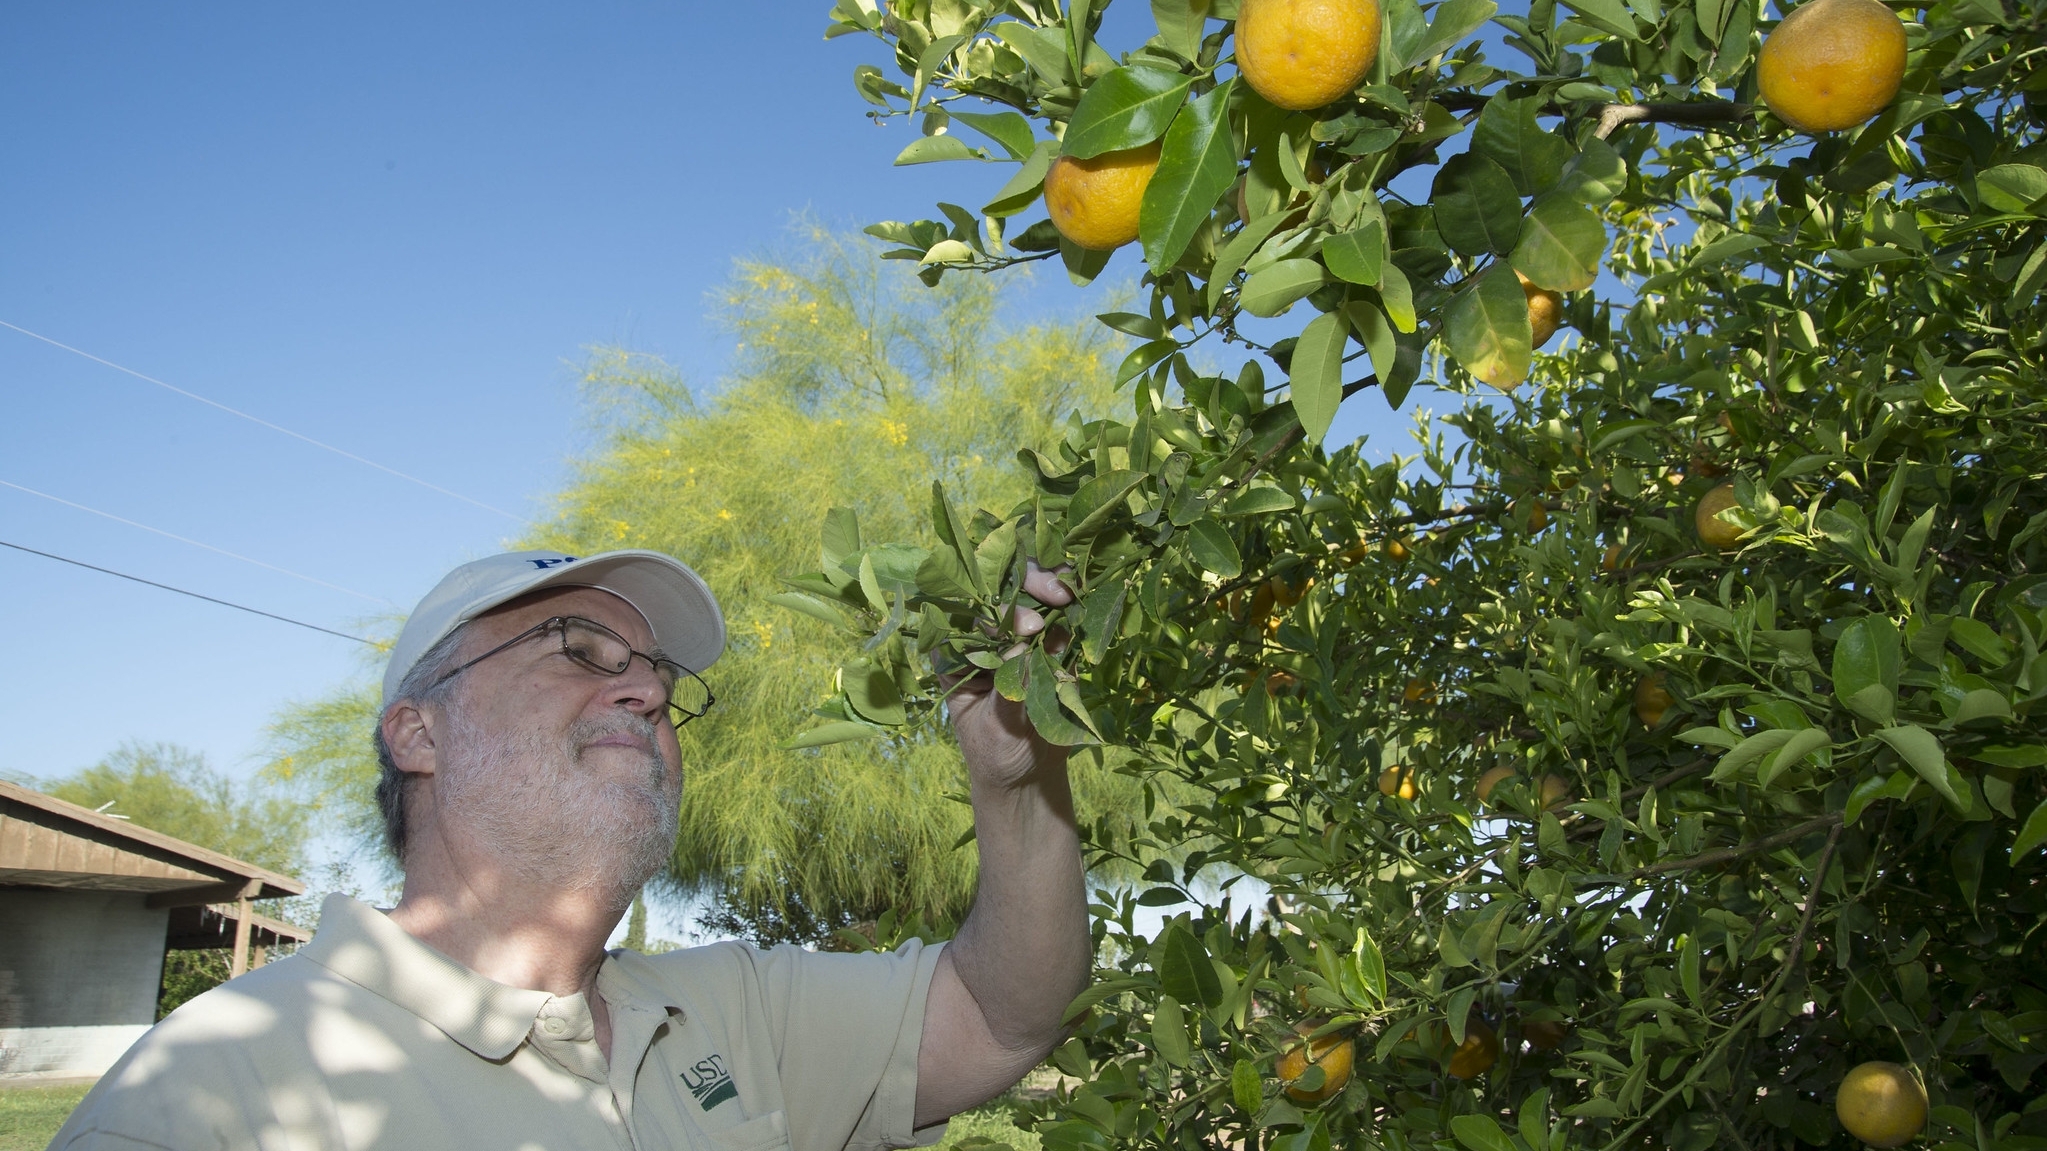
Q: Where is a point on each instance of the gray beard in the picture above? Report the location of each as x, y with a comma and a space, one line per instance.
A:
549, 819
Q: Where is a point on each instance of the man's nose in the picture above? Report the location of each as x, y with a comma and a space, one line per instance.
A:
639, 688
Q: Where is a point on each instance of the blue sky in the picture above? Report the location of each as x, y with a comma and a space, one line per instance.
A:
392, 228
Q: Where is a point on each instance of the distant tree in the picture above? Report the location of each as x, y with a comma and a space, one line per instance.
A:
170, 789
852, 387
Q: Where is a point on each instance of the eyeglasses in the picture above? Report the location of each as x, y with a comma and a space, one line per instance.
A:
599, 649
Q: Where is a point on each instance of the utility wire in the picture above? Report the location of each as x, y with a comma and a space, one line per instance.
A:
182, 591
263, 422
197, 544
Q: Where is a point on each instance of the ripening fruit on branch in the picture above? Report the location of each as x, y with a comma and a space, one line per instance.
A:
1832, 64
1545, 311
1476, 1055
1397, 551
1492, 779
1610, 560
1545, 1034
1551, 791
1419, 691
1653, 699
1286, 594
1715, 532
1881, 1104
1398, 782
1302, 54
1333, 1053
1094, 202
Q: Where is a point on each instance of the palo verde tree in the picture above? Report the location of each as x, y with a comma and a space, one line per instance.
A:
1655, 764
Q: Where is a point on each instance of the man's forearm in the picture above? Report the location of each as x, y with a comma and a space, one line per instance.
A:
1024, 951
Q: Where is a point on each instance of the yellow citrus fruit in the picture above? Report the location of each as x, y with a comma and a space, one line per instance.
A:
1552, 790
1832, 64
1094, 202
1544, 1034
1287, 594
1398, 781
1397, 551
1418, 691
1881, 1104
1545, 308
1333, 1053
1652, 699
1715, 532
1491, 780
1301, 54
1477, 1054
1611, 560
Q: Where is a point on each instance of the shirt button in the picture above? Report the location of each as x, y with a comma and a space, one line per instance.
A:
554, 1026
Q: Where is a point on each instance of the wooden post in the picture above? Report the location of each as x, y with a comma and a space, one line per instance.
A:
240, 963
258, 956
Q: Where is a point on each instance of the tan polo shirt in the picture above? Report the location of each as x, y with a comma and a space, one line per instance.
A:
368, 1038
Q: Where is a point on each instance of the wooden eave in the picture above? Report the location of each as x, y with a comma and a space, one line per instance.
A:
46, 842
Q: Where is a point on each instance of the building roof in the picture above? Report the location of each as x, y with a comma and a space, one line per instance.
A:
46, 842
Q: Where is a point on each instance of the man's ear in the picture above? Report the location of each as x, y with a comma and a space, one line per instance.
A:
408, 732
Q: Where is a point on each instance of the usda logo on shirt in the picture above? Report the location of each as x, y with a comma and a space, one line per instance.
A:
710, 1082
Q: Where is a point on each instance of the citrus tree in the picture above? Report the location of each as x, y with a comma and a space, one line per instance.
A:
1651, 759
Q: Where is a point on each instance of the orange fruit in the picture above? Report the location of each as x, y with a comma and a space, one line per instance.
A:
1552, 790
1715, 532
1094, 202
1881, 1104
1490, 780
1398, 781
1333, 1053
1611, 560
1545, 308
1652, 699
1418, 691
1287, 594
1302, 54
1544, 1034
1279, 683
1477, 1054
1397, 551
1832, 64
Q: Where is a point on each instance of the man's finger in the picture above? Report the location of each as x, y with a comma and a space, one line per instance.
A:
1047, 587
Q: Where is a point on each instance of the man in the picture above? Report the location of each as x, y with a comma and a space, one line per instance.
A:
531, 781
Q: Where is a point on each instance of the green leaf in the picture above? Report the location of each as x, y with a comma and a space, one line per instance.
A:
2015, 188
1181, 23
1247, 1087
1922, 752
1867, 653
843, 731
1896, 785
1357, 256
1507, 132
1800, 745
1480, 1133
1185, 971
1750, 750
2033, 834
871, 690
1258, 501
1210, 544
1197, 163
1455, 19
1477, 210
1124, 109
1982, 703
1562, 245
841, 537
1595, 175
1169, 1032
1042, 704
811, 606
1044, 49
1280, 285
1487, 328
1317, 373
1023, 189
1097, 500
1605, 15
1370, 965
1398, 296
1008, 129
1688, 972
1980, 640
2012, 755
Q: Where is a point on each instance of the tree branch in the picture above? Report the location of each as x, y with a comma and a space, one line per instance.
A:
1612, 116
1724, 854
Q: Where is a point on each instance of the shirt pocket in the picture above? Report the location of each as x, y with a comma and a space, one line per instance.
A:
768, 1132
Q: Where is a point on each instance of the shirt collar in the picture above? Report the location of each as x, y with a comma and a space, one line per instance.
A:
363, 946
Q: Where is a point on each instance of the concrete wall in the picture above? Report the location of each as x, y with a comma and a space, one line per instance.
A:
79, 972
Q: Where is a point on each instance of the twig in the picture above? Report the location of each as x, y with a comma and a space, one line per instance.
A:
1724, 854
1613, 116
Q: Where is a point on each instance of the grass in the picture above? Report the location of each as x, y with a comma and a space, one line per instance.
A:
990, 1123
29, 1116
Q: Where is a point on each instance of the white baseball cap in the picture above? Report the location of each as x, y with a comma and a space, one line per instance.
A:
675, 601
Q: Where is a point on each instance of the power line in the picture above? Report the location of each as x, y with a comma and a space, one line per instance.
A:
265, 423
197, 544
182, 591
